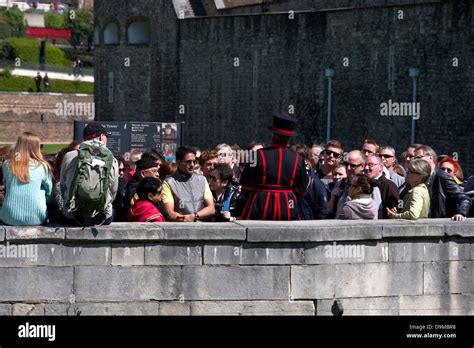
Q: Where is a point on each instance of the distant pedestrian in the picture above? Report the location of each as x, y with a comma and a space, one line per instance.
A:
38, 79
46, 82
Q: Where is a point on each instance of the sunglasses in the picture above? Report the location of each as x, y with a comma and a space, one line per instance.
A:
353, 166
446, 169
386, 156
190, 162
332, 153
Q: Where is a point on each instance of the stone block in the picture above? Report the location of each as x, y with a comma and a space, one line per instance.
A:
460, 229
261, 308
58, 255
313, 282
420, 228
448, 277
360, 306
2, 233
126, 254
27, 309
204, 231
104, 309
346, 252
254, 254
118, 231
453, 304
36, 283
379, 279
235, 283
416, 250
139, 283
175, 308
310, 231
37, 233
173, 254
5, 309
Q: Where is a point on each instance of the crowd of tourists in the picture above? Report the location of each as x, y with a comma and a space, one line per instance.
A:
84, 184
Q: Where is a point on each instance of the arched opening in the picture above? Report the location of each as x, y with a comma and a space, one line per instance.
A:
111, 34
138, 33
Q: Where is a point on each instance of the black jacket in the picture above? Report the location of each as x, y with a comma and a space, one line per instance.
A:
232, 192
447, 198
389, 194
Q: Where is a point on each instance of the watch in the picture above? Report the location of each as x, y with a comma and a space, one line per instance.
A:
196, 217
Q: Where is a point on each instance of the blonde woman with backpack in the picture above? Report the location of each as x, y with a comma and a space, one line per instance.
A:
28, 183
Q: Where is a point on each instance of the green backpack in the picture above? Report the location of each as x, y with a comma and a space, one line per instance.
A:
90, 186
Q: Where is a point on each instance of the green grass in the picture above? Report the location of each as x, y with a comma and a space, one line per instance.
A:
48, 149
27, 84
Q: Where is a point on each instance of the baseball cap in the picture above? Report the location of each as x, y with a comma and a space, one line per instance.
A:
94, 130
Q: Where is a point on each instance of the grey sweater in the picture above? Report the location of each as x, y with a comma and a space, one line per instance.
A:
361, 207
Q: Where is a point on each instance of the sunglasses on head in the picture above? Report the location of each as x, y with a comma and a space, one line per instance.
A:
334, 154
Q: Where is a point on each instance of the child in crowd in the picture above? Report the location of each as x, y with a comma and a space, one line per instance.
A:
144, 209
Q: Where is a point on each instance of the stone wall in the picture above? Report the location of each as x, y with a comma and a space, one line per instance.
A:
264, 268
37, 113
189, 72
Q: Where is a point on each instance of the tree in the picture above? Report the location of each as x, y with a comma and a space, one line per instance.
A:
16, 20
80, 22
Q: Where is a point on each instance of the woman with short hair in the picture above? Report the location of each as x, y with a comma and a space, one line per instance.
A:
28, 183
359, 204
416, 203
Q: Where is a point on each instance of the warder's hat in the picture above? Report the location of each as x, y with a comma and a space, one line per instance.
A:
283, 124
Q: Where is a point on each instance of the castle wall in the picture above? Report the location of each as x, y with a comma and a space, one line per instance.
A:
281, 64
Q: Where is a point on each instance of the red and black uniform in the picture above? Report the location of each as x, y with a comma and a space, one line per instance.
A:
273, 186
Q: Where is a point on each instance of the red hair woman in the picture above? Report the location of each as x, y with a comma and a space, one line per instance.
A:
451, 167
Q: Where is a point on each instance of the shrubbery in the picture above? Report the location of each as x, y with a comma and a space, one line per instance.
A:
16, 21
28, 50
54, 21
5, 30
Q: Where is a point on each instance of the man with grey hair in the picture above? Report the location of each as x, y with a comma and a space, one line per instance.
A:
315, 156
387, 154
447, 198
354, 165
226, 155
389, 194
